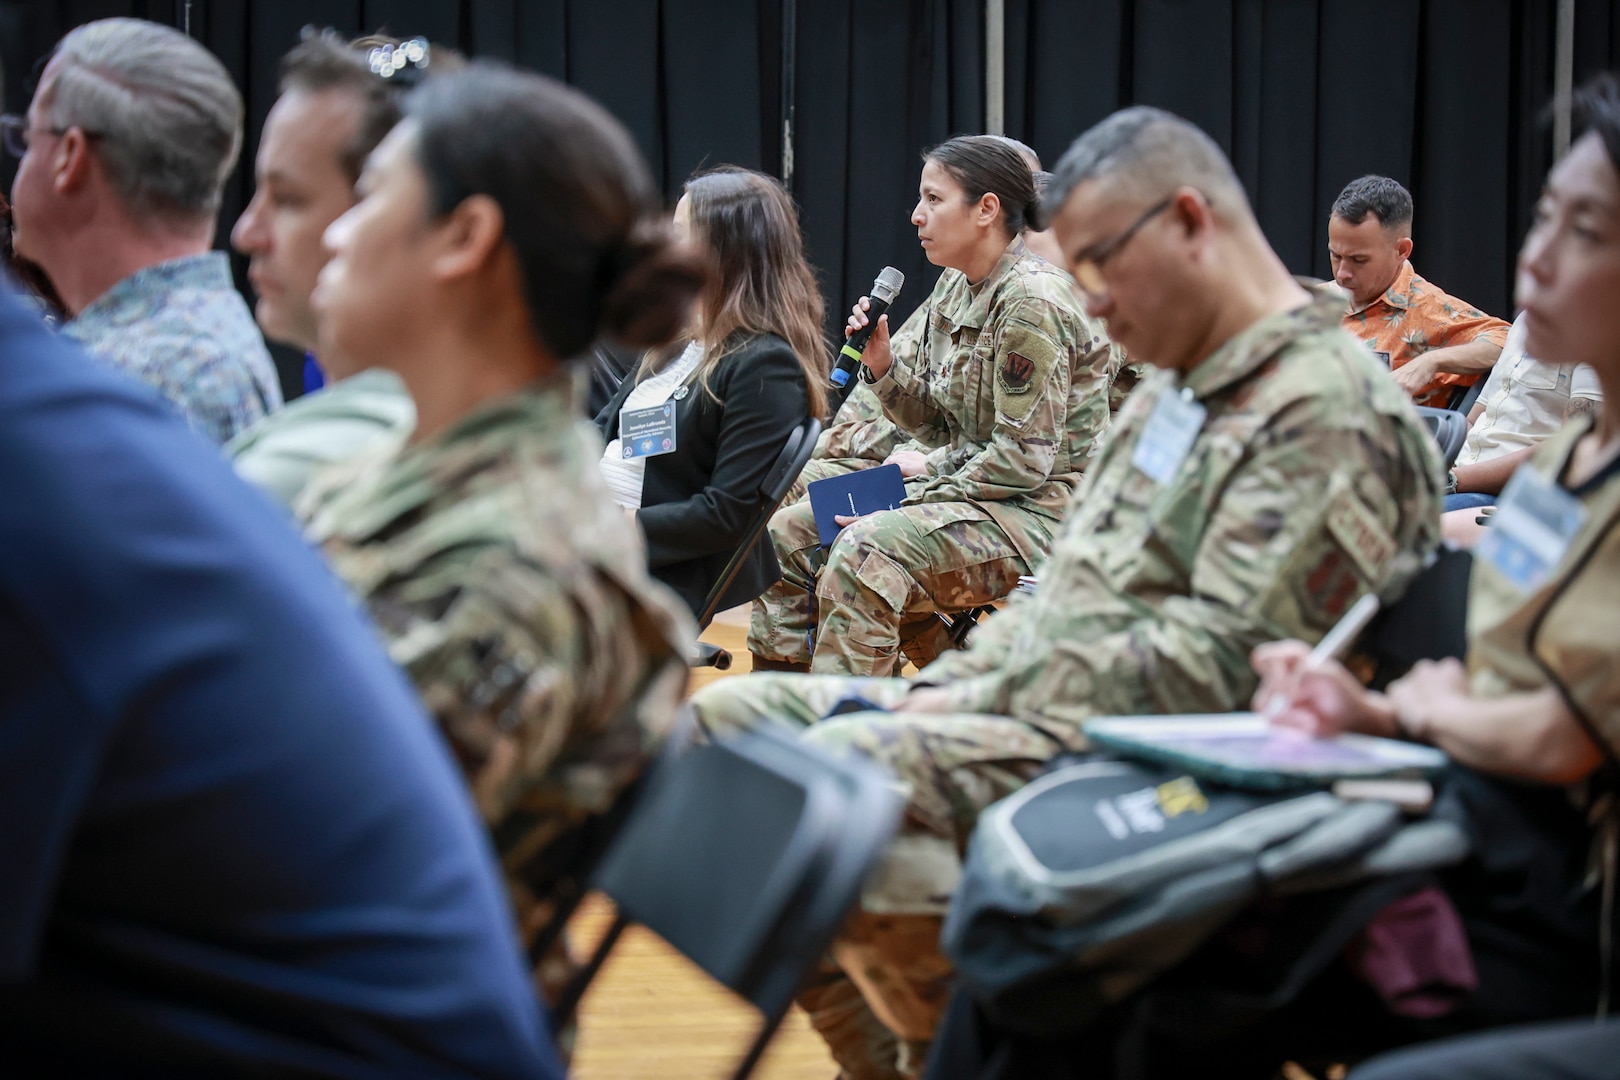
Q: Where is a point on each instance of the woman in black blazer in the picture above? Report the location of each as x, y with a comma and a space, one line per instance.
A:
752, 369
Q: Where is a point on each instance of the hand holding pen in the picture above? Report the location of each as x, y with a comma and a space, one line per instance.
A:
1307, 689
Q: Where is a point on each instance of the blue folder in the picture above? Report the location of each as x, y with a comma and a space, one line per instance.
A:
863, 492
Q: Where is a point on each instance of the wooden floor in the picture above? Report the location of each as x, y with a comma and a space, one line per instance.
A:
650, 1013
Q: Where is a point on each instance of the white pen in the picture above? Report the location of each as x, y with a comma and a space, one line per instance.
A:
1332, 645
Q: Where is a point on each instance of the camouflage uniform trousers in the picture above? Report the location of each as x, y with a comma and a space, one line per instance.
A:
879, 998
885, 569
779, 622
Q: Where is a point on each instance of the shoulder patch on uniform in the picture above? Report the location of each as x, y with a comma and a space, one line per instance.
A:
1016, 373
1361, 535
1332, 583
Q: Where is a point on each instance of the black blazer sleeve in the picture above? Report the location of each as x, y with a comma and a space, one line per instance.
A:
700, 500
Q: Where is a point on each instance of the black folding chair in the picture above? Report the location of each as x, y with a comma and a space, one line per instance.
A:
925, 640
1463, 398
746, 856
609, 365
1450, 431
790, 461
562, 870
1428, 622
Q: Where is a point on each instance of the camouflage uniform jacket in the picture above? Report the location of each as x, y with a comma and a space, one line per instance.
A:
1008, 389
1309, 482
860, 434
514, 591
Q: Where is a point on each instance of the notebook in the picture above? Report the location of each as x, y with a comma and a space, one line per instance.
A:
863, 492
1246, 750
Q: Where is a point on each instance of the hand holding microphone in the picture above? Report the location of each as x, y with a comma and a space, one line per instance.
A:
866, 323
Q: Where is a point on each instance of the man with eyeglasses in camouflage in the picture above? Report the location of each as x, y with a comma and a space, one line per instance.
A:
1266, 475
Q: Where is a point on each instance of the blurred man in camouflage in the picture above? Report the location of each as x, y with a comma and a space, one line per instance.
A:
1263, 479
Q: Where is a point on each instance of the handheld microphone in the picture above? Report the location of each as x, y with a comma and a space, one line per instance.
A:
884, 290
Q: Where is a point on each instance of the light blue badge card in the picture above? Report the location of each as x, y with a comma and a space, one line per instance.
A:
1170, 432
647, 432
1531, 529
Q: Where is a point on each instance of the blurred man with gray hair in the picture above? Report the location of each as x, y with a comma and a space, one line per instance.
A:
122, 158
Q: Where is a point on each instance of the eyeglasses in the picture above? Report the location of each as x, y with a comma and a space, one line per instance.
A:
15, 134
1087, 267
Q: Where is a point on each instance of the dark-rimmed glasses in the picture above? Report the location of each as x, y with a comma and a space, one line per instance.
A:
1087, 267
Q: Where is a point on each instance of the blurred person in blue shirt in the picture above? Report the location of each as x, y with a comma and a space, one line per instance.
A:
232, 841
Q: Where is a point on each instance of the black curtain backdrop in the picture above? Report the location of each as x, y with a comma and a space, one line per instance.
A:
1444, 95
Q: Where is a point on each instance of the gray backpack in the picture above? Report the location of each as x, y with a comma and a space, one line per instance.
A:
1102, 874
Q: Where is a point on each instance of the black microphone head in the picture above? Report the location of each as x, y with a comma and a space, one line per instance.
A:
887, 285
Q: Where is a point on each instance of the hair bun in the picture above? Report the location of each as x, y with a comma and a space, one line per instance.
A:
657, 280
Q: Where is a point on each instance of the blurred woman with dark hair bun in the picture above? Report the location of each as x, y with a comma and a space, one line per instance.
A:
501, 227
753, 365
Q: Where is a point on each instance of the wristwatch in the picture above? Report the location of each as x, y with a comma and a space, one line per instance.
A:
1451, 481
867, 377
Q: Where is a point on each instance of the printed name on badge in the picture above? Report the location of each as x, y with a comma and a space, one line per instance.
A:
1168, 435
1531, 529
647, 432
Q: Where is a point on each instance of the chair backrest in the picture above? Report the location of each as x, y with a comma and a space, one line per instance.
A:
747, 855
608, 366
1428, 622
1450, 431
561, 871
1463, 398
790, 461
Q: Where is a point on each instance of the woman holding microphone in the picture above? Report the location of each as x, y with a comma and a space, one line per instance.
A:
1005, 393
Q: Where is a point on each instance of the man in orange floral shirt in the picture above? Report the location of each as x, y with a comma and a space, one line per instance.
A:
1432, 342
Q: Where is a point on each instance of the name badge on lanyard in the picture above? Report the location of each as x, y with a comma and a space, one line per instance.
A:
1531, 529
1169, 434
647, 432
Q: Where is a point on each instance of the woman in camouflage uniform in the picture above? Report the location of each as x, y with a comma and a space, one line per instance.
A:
1003, 388
503, 225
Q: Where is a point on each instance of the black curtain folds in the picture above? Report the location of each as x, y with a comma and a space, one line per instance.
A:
1444, 95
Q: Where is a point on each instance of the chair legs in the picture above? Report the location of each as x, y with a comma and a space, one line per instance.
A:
927, 639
